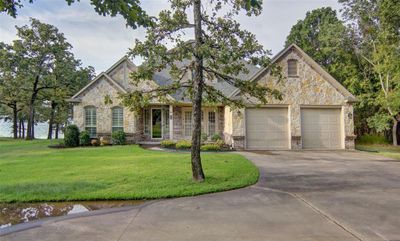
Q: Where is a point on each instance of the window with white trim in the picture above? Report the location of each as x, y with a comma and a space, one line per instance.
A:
187, 124
90, 121
292, 68
117, 119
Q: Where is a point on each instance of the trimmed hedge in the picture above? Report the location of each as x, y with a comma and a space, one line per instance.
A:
118, 138
168, 144
84, 138
210, 147
71, 136
183, 144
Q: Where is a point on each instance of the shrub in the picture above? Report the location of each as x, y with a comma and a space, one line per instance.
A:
168, 144
210, 147
183, 144
71, 136
372, 139
220, 143
119, 138
84, 138
216, 137
204, 137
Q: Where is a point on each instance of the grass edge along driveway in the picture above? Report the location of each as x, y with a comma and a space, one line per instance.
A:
30, 171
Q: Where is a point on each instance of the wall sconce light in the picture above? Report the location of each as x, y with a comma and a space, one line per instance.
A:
350, 115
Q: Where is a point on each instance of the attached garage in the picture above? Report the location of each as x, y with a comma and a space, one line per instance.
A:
267, 128
321, 128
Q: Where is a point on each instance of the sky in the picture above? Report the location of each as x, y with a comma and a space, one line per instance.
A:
100, 41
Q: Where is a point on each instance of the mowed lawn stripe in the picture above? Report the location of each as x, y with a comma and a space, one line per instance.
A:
31, 171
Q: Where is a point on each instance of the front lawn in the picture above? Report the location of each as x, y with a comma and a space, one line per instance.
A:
382, 149
30, 171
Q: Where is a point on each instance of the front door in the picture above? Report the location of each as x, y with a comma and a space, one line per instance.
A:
156, 123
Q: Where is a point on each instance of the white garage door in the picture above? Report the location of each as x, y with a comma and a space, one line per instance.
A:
321, 128
267, 128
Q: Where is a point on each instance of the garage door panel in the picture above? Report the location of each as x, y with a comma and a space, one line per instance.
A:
266, 128
321, 128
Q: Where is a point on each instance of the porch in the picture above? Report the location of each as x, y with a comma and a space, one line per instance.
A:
173, 122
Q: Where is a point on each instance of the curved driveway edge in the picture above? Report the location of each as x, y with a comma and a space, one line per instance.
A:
300, 196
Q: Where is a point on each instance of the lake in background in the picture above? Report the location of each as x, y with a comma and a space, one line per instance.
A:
41, 130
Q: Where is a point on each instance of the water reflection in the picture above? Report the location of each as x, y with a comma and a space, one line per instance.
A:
14, 213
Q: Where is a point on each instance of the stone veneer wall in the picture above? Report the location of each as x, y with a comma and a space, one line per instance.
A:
94, 96
309, 88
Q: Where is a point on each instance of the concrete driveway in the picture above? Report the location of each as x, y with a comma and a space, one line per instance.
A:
340, 195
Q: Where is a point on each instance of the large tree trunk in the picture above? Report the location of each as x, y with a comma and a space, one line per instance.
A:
30, 135
15, 120
29, 132
23, 128
20, 129
51, 121
394, 132
197, 169
57, 130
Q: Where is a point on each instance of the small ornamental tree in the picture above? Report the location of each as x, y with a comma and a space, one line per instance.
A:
220, 51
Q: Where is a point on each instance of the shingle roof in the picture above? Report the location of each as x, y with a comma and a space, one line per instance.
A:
163, 78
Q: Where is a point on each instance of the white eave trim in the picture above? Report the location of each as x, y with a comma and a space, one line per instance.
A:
107, 77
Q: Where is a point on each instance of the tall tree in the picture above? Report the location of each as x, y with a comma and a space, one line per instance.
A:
376, 29
70, 78
10, 84
220, 51
38, 47
129, 9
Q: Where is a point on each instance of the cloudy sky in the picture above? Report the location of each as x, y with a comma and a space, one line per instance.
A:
100, 41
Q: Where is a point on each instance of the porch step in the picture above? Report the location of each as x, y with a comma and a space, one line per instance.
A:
155, 143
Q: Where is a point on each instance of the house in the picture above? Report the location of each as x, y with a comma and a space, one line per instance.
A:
316, 111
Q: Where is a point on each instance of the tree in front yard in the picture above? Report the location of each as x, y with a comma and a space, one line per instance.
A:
220, 51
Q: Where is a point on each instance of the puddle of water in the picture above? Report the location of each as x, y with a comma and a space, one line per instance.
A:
15, 213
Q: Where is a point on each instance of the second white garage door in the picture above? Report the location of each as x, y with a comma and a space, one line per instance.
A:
321, 128
267, 128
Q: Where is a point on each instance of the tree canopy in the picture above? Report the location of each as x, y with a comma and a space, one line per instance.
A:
38, 71
130, 10
376, 37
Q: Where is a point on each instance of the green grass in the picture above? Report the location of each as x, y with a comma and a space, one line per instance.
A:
384, 150
372, 140
30, 171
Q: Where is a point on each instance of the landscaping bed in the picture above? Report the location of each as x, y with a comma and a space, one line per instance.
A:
30, 171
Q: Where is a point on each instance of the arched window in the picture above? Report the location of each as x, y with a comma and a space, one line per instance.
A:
90, 121
292, 67
117, 119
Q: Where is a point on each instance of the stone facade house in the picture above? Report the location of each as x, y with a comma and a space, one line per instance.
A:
316, 111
